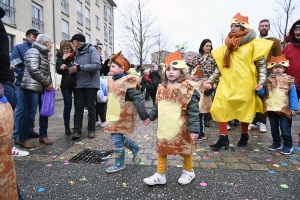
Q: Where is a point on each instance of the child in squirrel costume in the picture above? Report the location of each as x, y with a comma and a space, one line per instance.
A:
280, 103
205, 101
177, 110
124, 102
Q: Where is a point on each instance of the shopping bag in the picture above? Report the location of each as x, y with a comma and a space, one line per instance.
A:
102, 93
47, 100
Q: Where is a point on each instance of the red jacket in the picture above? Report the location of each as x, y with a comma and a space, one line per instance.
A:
148, 79
292, 52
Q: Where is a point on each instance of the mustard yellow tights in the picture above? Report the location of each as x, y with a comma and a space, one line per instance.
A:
162, 163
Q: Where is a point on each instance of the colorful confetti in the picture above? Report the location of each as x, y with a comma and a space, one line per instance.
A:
275, 165
269, 160
83, 179
72, 182
284, 186
271, 172
66, 163
284, 164
179, 166
216, 152
203, 184
124, 185
141, 163
41, 190
49, 165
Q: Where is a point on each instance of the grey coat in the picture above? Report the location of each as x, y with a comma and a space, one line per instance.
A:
37, 74
88, 72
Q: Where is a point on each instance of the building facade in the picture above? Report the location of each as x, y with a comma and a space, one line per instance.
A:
60, 19
159, 56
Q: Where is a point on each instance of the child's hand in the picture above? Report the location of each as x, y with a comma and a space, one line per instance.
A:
194, 136
259, 87
292, 112
146, 121
207, 86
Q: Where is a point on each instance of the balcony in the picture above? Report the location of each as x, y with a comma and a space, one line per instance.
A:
9, 16
88, 23
88, 2
105, 15
110, 39
109, 19
105, 36
65, 7
38, 25
65, 36
79, 17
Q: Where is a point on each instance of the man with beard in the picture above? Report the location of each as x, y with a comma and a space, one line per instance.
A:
292, 52
276, 50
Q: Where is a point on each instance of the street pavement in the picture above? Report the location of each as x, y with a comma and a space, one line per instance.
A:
250, 172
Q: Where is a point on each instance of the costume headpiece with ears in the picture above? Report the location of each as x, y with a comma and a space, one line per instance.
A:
175, 60
119, 59
278, 60
241, 20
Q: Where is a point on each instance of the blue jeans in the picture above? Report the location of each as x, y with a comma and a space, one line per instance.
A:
32, 100
10, 93
67, 94
20, 112
118, 140
285, 125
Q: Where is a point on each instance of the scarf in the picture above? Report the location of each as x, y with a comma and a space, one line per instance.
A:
233, 42
71, 57
116, 77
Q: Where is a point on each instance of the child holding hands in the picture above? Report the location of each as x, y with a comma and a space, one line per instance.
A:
177, 110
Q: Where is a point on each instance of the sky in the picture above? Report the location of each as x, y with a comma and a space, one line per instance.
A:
192, 21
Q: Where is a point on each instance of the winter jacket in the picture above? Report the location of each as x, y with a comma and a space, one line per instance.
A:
292, 52
88, 69
18, 52
37, 73
68, 80
6, 74
105, 68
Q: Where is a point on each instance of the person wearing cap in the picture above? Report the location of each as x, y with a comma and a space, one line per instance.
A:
241, 63
87, 66
292, 52
17, 63
124, 102
280, 103
177, 111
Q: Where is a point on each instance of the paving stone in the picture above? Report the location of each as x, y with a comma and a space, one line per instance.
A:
230, 159
208, 165
237, 166
258, 167
246, 160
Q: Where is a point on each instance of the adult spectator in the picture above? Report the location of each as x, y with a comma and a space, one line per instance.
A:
276, 50
68, 81
87, 65
207, 66
36, 79
241, 63
156, 79
17, 63
292, 52
189, 63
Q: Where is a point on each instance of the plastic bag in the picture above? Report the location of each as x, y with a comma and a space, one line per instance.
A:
102, 93
48, 99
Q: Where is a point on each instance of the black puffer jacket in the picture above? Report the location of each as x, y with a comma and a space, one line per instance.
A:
37, 74
67, 80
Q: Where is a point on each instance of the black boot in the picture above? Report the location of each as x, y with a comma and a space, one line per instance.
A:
244, 140
223, 141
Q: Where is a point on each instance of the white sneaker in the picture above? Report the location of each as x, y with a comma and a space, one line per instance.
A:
262, 128
156, 179
251, 127
18, 152
98, 123
228, 127
186, 177
103, 124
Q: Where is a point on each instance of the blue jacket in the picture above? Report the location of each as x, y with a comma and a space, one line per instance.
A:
19, 52
88, 71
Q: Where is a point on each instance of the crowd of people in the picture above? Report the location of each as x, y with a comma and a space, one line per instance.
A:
247, 79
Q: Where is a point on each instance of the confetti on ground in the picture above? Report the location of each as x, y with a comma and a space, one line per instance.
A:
243, 150
296, 148
275, 165
130, 152
269, 160
50, 152
216, 152
49, 165
255, 136
66, 163
124, 185
194, 154
179, 166
62, 158
298, 168
54, 156
293, 158
206, 162
231, 145
205, 158
256, 150
284, 164
141, 163
259, 143
284, 186
32, 149
278, 154
41, 190
83, 179
204, 145
203, 184
72, 182
271, 172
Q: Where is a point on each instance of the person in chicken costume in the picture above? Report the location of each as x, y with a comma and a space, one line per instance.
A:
242, 67
177, 110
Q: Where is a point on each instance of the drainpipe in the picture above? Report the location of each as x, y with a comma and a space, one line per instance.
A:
54, 41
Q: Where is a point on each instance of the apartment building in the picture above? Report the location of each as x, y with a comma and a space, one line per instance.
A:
60, 19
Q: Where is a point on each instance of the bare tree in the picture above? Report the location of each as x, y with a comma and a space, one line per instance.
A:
160, 46
221, 36
137, 27
285, 9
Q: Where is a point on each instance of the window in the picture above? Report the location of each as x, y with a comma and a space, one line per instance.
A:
87, 18
109, 51
65, 6
65, 29
8, 6
87, 38
97, 22
79, 31
97, 2
104, 11
105, 52
105, 32
37, 17
88, 2
79, 6
10, 42
79, 12
109, 16
110, 35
